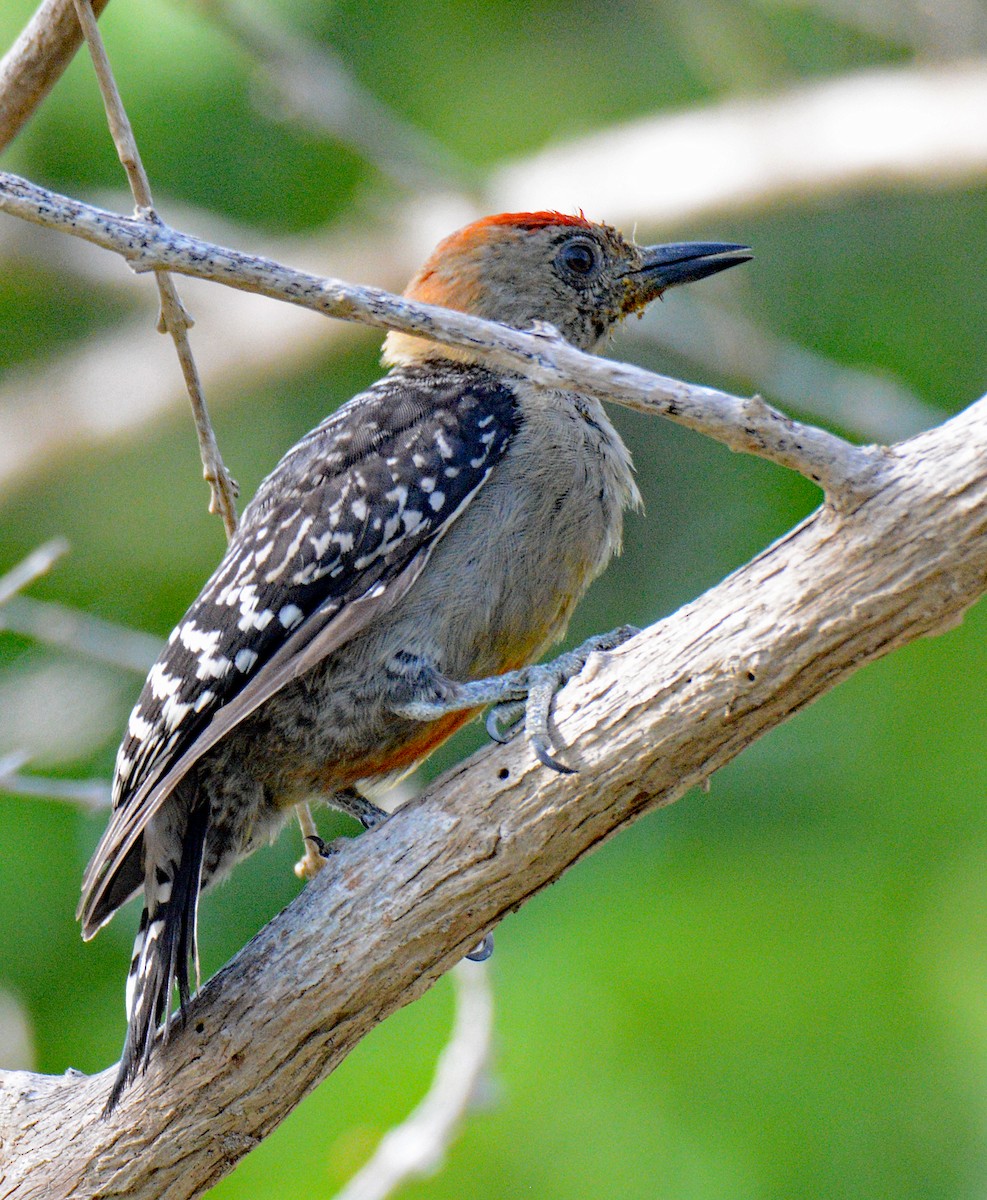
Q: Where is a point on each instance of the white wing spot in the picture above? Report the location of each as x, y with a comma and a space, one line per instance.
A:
289, 554
139, 727
436, 500
321, 544
290, 616
250, 618
245, 659
162, 684
211, 664
202, 642
173, 712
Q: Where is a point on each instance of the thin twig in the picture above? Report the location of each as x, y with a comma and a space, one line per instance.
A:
417, 1147
39, 562
81, 632
91, 793
173, 318
748, 425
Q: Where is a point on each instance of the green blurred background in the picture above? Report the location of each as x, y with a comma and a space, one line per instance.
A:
778, 989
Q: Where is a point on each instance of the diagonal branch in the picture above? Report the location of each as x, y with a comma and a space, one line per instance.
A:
417, 1146
35, 62
749, 425
915, 126
656, 167
404, 903
39, 562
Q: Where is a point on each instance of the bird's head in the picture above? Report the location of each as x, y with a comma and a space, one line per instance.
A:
579, 276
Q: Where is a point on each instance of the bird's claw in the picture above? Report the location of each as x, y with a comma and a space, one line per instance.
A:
505, 721
483, 951
325, 849
544, 755
541, 685
520, 699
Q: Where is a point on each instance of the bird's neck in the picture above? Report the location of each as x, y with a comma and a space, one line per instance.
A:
409, 350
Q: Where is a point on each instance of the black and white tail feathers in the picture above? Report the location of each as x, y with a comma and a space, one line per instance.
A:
163, 949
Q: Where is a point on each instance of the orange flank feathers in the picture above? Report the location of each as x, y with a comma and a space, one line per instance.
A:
407, 755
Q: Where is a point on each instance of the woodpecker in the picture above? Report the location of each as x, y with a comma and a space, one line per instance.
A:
400, 569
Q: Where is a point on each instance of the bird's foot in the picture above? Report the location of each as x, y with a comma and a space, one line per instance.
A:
531, 712
347, 800
355, 804
521, 699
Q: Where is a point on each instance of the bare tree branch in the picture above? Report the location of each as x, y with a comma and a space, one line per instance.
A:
918, 126
748, 425
725, 339
776, 640
90, 793
81, 632
41, 417
404, 903
47, 410
39, 562
174, 319
417, 1146
35, 62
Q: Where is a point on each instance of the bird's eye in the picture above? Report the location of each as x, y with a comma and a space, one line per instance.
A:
579, 259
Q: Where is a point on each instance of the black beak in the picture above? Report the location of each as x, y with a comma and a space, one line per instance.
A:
680, 262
